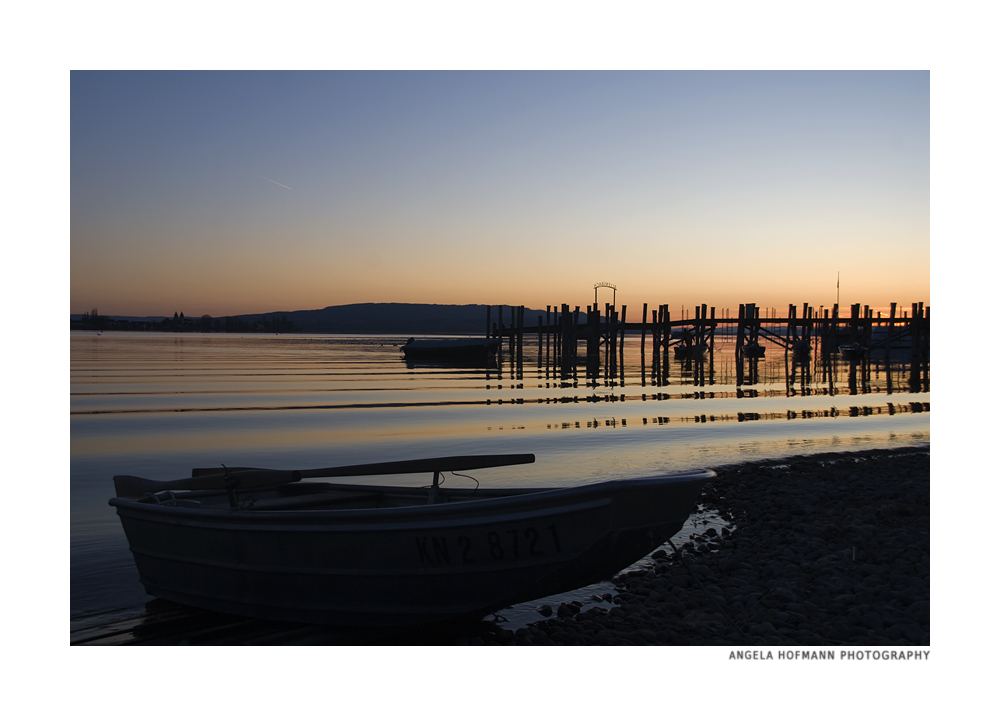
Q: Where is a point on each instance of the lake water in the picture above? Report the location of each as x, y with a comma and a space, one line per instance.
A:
158, 404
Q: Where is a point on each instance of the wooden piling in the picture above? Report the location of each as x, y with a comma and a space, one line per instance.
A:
642, 342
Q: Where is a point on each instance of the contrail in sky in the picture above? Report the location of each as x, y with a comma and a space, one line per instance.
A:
273, 181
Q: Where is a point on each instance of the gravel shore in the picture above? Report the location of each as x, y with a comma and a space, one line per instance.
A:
829, 549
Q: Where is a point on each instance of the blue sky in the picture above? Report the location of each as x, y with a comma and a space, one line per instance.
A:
234, 192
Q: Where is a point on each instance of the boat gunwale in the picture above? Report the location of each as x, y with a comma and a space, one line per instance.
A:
480, 509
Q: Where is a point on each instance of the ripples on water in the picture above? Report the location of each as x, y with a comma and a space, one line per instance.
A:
157, 405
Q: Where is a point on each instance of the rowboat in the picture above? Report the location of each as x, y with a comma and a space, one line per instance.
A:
273, 544
698, 350
451, 349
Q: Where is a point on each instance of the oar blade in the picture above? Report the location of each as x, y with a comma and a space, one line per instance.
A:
435, 464
248, 478
453, 463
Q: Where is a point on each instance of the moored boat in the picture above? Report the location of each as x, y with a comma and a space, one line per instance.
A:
263, 543
692, 351
853, 351
451, 349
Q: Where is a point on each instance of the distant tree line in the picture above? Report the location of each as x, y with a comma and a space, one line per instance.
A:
93, 321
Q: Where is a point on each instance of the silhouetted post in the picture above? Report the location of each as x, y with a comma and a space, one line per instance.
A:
539, 341
488, 322
888, 333
511, 332
753, 323
565, 353
621, 338
576, 330
711, 350
740, 332
548, 334
593, 342
642, 342
665, 364
612, 343
655, 330
791, 331
658, 338
606, 333
926, 348
556, 342
867, 325
835, 334
740, 343
520, 335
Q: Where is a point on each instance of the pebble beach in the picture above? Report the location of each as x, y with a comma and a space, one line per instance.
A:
822, 550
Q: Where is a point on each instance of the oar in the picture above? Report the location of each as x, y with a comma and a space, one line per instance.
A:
399, 467
214, 478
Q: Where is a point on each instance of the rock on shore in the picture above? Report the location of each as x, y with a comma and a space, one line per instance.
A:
822, 550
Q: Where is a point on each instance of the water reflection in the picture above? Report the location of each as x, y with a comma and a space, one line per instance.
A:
158, 405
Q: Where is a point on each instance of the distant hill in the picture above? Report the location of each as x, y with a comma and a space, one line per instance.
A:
384, 318
138, 319
397, 318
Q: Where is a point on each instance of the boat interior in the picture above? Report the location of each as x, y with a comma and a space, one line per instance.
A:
319, 496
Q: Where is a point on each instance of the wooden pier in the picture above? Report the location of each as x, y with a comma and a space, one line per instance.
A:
797, 333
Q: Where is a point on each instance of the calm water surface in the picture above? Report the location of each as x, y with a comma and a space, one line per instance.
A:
157, 405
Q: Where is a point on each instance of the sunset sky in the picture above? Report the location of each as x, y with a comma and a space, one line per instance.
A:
239, 192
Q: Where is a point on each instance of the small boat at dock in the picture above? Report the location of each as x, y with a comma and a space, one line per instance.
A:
693, 351
853, 351
274, 544
451, 349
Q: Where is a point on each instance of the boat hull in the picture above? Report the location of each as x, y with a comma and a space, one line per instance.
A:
403, 565
853, 351
462, 351
699, 351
